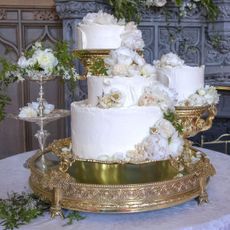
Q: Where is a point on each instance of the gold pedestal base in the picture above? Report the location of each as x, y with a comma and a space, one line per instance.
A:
114, 187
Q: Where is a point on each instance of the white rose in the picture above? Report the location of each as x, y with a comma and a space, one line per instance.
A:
22, 62
133, 71
176, 145
139, 60
27, 111
148, 70
201, 92
120, 69
169, 59
165, 128
46, 59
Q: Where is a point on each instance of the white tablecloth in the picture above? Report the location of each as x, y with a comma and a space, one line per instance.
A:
188, 216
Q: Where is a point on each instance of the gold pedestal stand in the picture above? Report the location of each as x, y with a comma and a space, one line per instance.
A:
96, 186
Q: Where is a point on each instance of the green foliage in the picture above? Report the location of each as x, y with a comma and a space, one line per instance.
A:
212, 9
170, 116
74, 215
127, 9
130, 9
6, 78
98, 67
19, 209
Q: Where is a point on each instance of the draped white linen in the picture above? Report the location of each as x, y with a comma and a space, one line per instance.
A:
188, 216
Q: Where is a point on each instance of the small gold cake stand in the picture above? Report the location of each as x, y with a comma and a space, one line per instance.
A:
95, 186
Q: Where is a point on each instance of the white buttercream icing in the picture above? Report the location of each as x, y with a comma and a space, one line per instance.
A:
100, 132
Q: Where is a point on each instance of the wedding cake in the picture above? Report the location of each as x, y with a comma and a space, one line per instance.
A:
184, 79
123, 117
103, 31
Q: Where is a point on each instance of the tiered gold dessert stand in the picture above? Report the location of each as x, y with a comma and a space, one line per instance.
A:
98, 186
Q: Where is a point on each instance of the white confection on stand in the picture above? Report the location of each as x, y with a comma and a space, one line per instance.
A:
131, 88
97, 132
185, 80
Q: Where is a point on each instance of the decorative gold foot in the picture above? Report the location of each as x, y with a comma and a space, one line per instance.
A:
203, 198
55, 209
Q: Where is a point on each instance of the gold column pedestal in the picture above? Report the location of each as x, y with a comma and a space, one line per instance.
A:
96, 186
89, 57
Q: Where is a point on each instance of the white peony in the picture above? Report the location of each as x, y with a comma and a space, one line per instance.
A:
158, 94
176, 145
45, 59
101, 18
48, 108
132, 37
165, 128
22, 62
28, 111
139, 60
120, 70
148, 70
169, 59
211, 96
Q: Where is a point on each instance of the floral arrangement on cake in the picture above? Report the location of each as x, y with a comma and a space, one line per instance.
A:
38, 61
202, 97
163, 143
130, 9
128, 63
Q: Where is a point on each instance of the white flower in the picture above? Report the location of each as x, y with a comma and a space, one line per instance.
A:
120, 70
175, 146
46, 59
148, 70
139, 60
165, 128
28, 111
158, 94
202, 97
48, 108
132, 37
22, 62
101, 18
169, 59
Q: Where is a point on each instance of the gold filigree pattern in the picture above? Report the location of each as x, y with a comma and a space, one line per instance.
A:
195, 119
63, 190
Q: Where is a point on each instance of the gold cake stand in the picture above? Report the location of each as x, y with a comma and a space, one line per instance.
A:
97, 186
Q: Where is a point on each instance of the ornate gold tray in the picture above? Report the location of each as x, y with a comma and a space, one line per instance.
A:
90, 186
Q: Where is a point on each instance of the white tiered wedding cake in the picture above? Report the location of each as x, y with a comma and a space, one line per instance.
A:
123, 118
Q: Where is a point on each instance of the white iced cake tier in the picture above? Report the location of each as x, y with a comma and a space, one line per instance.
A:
98, 132
185, 80
96, 36
130, 88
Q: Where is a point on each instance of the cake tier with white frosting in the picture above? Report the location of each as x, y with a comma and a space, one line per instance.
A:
131, 88
100, 132
185, 80
96, 36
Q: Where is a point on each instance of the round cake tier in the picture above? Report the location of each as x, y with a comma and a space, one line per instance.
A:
97, 132
185, 80
131, 88
97, 36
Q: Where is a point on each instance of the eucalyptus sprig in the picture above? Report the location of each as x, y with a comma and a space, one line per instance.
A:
20, 208
171, 116
7, 77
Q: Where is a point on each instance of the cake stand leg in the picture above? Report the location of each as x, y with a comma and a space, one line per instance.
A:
203, 198
42, 135
55, 209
